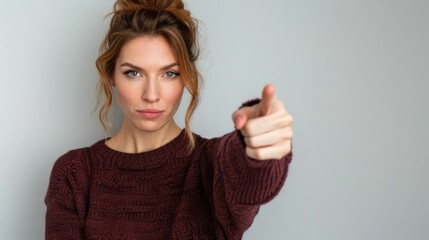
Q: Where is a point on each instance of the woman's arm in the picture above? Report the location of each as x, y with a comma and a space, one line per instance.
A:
65, 201
249, 166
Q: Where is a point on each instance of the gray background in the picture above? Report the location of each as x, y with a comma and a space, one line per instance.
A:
354, 74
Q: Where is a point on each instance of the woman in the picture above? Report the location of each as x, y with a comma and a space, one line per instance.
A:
153, 180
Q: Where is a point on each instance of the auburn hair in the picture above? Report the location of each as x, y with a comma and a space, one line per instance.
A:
134, 18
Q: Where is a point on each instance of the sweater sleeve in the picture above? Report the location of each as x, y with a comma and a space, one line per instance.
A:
241, 184
65, 199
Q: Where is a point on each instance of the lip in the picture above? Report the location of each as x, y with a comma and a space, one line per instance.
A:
150, 113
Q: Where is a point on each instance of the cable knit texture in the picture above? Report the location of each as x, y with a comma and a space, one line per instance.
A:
213, 193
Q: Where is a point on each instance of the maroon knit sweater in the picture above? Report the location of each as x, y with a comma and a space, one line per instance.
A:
213, 193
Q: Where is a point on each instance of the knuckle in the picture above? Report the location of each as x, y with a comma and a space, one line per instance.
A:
287, 149
279, 153
250, 152
249, 128
254, 153
285, 120
290, 118
288, 134
283, 134
250, 141
259, 155
280, 104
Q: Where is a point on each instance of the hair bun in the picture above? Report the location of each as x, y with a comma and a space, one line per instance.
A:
158, 5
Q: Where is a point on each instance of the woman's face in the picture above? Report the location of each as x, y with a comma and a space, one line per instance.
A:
148, 82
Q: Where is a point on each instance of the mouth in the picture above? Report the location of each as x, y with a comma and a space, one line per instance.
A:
150, 113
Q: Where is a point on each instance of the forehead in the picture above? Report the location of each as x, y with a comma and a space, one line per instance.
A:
147, 50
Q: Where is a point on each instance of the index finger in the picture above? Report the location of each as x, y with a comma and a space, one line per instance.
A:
268, 99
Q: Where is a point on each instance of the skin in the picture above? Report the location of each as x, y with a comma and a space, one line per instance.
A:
266, 127
147, 77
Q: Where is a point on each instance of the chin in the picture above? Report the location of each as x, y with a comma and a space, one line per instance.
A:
151, 126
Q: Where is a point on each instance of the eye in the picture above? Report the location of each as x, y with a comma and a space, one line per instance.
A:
171, 74
132, 73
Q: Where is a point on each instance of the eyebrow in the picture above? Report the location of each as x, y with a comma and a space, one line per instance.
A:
126, 64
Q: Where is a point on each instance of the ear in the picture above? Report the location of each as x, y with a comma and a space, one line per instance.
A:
112, 81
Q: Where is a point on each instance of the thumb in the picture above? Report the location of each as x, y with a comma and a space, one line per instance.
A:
242, 115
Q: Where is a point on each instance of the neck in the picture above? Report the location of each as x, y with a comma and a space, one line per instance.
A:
136, 141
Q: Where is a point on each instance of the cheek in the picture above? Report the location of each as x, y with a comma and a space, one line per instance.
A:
175, 95
126, 96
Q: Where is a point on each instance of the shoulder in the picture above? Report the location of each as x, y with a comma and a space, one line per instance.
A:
70, 174
69, 159
233, 138
203, 142
75, 162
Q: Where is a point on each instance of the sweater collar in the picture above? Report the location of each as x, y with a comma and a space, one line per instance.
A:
176, 148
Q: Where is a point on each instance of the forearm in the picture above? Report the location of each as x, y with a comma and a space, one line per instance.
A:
249, 181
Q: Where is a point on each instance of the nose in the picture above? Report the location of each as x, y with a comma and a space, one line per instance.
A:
151, 91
